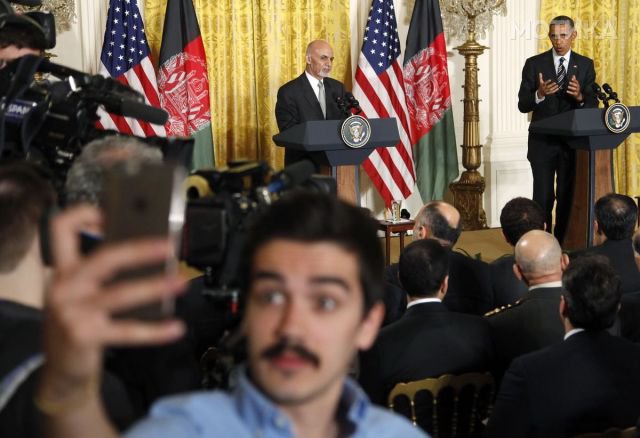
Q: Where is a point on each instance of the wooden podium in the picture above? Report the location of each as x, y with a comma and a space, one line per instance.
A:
321, 140
585, 131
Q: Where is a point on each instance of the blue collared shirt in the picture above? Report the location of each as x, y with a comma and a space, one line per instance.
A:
246, 412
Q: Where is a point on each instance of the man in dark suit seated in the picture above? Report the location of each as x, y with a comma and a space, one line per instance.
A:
518, 216
589, 382
616, 217
532, 322
469, 282
629, 314
554, 82
310, 96
428, 340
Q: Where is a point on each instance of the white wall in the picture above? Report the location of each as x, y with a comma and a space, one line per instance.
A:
503, 130
80, 47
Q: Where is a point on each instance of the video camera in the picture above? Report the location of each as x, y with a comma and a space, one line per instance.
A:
222, 205
49, 121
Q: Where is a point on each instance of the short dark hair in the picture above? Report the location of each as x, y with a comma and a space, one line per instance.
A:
315, 217
422, 268
592, 292
25, 195
562, 19
440, 229
616, 216
636, 243
22, 35
519, 216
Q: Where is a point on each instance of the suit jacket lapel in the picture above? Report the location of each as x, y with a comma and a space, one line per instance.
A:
310, 95
549, 68
572, 68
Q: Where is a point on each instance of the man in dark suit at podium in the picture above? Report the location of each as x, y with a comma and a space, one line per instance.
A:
310, 96
553, 82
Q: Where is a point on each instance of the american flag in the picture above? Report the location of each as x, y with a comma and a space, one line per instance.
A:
379, 87
125, 57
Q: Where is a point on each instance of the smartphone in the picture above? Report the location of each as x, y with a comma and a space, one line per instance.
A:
143, 201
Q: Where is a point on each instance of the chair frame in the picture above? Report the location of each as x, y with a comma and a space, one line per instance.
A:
436, 385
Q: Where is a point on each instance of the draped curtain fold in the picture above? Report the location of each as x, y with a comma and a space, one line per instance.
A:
609, 33
252, 48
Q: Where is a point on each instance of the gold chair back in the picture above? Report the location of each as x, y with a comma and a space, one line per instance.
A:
631, 432
468, 399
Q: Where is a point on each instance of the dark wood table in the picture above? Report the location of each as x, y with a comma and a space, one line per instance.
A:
394, 227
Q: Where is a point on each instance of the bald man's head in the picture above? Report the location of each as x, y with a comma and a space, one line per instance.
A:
319, 59
539, 257
438, 220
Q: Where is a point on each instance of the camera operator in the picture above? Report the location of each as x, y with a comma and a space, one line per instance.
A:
19, 36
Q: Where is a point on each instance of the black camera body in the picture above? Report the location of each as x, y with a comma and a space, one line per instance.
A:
222, 205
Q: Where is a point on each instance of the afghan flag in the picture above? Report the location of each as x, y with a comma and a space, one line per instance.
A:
426, 83
183, 81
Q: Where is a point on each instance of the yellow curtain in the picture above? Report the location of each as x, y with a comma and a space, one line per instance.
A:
608, 32
253, 47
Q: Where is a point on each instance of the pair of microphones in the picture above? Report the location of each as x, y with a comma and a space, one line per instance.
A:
605, 94
347, 103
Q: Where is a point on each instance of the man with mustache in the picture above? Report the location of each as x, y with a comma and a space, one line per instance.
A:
312, 274
310, 96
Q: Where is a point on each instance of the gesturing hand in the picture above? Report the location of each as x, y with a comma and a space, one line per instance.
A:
573, 89
549, 86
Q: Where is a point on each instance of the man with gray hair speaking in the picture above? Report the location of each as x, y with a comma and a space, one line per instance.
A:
310, 96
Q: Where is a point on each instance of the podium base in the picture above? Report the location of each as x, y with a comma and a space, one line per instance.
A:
467, 198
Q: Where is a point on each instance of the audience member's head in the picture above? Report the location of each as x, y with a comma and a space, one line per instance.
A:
591, 296
616, 217
86, 177
423, 269
314, 276
25, 196
539, 258
438, 220
518, 216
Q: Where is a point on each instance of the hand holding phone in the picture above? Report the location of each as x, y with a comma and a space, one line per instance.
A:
143, 201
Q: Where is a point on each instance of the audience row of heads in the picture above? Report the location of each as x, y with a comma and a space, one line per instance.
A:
592, 289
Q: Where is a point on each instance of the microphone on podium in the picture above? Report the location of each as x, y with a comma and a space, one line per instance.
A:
612, 94
599, 94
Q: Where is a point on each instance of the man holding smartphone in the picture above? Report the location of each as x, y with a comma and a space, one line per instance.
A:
313, 275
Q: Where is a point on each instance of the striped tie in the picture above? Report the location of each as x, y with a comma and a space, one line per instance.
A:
562, 74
